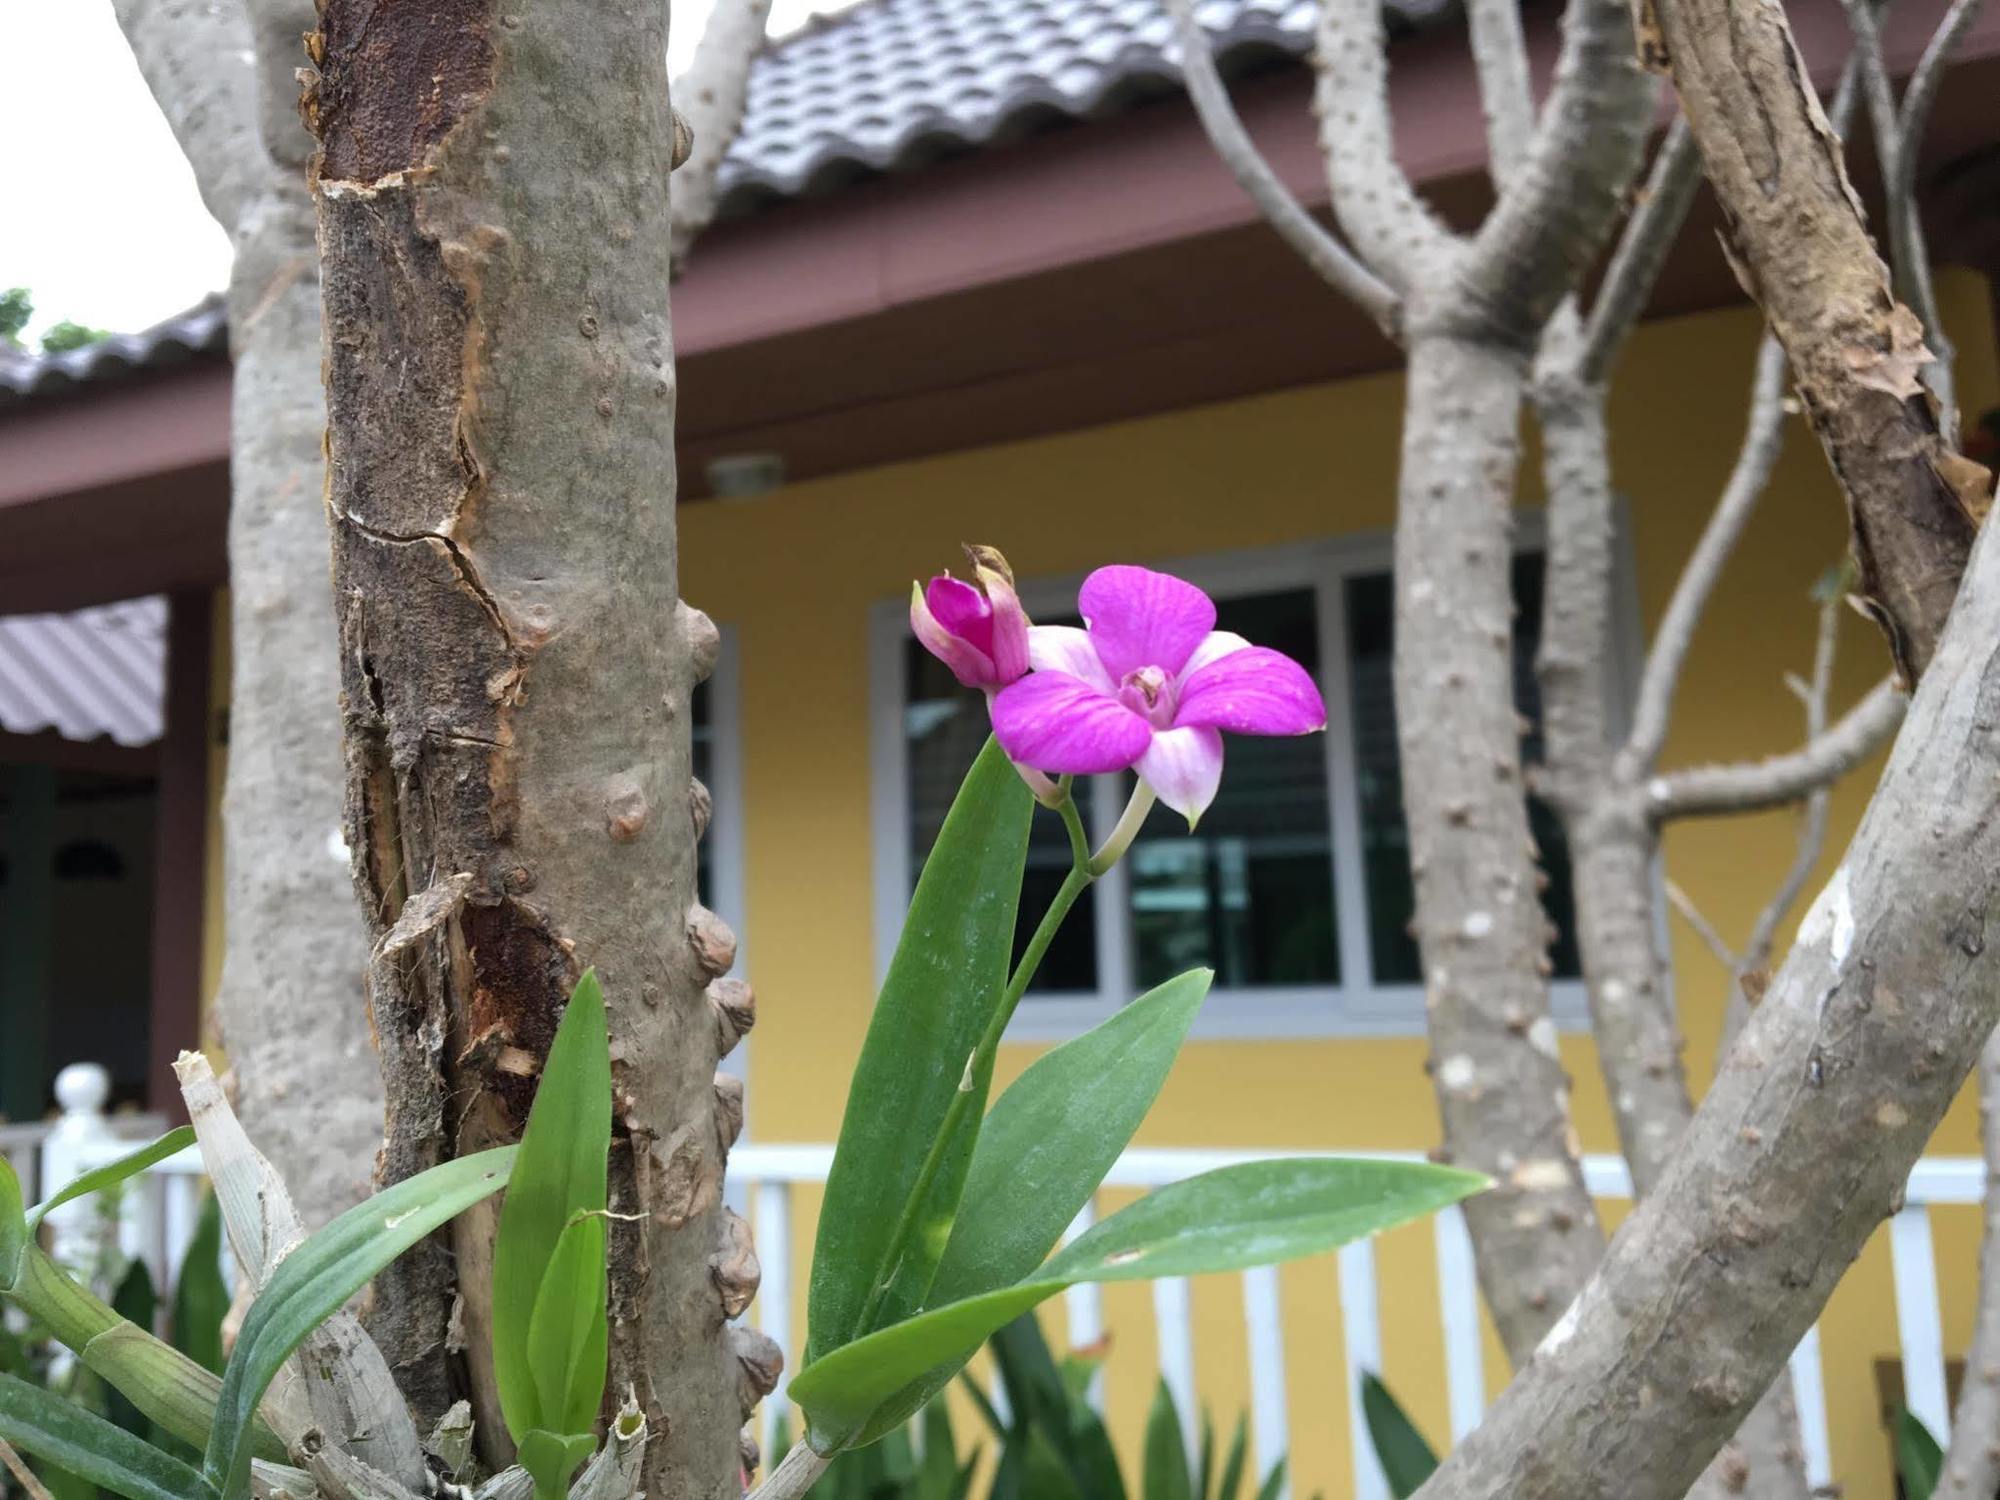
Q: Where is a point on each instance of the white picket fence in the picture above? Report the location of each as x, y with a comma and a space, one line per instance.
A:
157, 1221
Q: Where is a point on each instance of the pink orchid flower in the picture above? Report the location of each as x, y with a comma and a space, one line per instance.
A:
1148, 686
980, 633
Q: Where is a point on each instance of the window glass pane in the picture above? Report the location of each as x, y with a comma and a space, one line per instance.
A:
1250, 893
1385, 844
702, 735
946, 725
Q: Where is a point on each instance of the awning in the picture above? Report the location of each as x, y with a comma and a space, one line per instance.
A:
90, 674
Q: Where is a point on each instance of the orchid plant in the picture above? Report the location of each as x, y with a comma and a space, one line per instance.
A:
939, 1217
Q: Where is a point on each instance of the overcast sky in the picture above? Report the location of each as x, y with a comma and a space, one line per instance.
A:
100, 218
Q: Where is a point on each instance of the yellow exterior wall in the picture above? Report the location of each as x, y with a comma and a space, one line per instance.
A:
796, 573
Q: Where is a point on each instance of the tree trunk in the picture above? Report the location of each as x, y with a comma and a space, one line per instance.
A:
1480, 927
290, 1006
515, 670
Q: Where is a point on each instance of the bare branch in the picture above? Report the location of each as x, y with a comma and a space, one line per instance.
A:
1642, 250
1705, 790
1806, 1140
23, 1475
1907, 253
1319, 249
1553, 216
1920, 93
711, 97
1972, 1461
1373, 200
1813, 818
1763, 436
1703, 928
196, 58
1500, 56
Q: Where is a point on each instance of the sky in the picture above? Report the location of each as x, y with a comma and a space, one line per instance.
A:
100, 219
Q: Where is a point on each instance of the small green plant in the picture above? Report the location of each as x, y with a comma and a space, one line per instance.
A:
1919, 1457
1407, 1459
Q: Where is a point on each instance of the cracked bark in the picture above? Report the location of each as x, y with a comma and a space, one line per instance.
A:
290, 1007
515, 670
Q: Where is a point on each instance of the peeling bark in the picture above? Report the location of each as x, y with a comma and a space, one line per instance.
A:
290, 1008
1972, 1462
1802, 250
515, 670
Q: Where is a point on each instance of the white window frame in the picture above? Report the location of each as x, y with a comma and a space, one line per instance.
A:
1355, 1007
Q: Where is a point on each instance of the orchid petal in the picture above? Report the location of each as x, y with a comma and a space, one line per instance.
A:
963, 610
1184, 767
1139, 618
1218, 644
1257, 691
1009, 627
1058, 724
1065, 648
971, 666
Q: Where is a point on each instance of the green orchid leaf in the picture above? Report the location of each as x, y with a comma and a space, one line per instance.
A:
560, 1174
1166, 1476
1274, 1482
1407, 1459
177, 1395
138, 1304
61, 1433
937, 1474
114, 1172
318, 1277
1231, 1219
1919, 1458
568, 1332
201, 1300
15, 1235
552, 1459
1231, 1478
1045, 1147
948, 975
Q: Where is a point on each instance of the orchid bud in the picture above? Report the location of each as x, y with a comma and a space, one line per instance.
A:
981, 633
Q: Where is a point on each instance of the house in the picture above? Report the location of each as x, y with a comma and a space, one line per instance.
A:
981, 278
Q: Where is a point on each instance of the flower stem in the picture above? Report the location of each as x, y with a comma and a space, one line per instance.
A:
1129, 823
979, 1064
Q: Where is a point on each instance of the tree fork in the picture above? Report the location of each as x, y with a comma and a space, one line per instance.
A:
515, 668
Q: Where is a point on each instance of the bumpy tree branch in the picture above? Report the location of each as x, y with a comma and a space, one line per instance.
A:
1373, 200
711, 99
1702, 791
290, 1007
1805, 255
1641, 251
1315, 246
1804, 1143
1554, 214
1506, 97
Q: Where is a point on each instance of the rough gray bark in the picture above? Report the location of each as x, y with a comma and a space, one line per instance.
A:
290, 1006
494, 231
1972, 1461
1479, 925
1802, 1146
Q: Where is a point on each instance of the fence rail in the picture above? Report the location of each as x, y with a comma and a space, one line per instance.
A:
157, 1221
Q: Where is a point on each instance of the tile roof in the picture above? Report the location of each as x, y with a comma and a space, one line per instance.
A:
883, 86
94, 673
889, 85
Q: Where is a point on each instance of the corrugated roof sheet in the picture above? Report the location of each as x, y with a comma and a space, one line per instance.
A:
94, 673
884, 86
